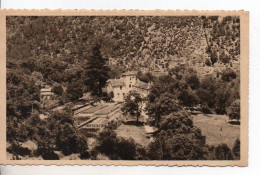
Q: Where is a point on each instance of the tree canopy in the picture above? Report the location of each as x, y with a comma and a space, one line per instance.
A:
132, 104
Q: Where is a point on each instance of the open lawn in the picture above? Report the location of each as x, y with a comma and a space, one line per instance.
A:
217, 129
135, 132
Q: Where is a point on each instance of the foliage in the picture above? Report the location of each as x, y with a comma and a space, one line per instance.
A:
145, 77
236, 149
51, 50
117, 148
162, 106
132, 104
178, 139
124, 38
192, 80
224, 58
169, 146
22, 94
223, 152
75, 90
228, 74
96, 71
216, 94
57, 89
61, 134
188, 98
177, 122
234, 110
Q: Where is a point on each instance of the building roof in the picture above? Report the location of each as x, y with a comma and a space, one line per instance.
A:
129, 73
117, 82
142, 85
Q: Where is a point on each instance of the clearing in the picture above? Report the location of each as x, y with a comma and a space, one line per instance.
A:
217, 129
136, 132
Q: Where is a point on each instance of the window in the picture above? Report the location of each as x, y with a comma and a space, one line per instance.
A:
120, 87
130, 85
123, 94
118, 94
130, 78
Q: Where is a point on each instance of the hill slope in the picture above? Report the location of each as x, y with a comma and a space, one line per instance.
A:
150, 43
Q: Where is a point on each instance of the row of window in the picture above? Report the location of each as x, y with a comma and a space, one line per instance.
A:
122, 87
119, 94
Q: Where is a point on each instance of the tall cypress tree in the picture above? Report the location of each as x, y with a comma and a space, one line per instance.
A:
96, 71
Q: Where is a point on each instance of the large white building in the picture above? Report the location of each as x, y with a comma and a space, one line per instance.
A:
127, 82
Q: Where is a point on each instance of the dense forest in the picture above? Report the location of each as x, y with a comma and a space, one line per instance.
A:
65, 53
132, 42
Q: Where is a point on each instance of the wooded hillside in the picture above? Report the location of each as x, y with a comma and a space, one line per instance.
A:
130, 42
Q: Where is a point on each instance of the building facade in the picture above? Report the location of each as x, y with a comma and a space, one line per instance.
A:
127, 82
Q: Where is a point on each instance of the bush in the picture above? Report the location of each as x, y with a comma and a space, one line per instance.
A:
236, 149
208, 62
177, 122
223, 152
228, 74
75, 90
234, 110
224, 58
57, 89
176, 147
117, 148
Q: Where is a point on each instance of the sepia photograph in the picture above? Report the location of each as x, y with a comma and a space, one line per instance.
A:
110, 87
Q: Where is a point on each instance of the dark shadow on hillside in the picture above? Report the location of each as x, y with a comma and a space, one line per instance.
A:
134, 123
234, 122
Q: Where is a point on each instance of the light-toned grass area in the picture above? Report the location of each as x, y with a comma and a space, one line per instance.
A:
217, 129
135, 132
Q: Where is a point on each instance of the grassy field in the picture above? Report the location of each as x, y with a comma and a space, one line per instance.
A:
135, 132
217, 129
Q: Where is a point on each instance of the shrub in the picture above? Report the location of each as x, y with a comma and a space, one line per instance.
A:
117, 148
236, 149
169, 146
223, 152
234, 110
57, 89
228, 74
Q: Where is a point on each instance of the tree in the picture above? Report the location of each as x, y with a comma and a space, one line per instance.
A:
234, 110
169, 146
228, 74
192, 80
59, 133
133, 104
75, 90
223, 152
177, 72
224, 58
96, 71
188, 97
117, 148
57, 89
236, 149
165, 104
146, 77
213, 56
177, 122
222, 98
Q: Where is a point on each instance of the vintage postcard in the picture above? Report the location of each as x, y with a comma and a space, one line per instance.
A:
83, 87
